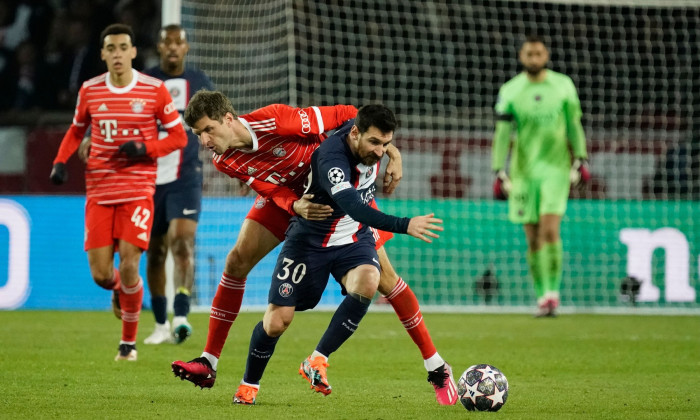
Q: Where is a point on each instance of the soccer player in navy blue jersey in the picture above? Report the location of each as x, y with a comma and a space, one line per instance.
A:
177, 198
343, 173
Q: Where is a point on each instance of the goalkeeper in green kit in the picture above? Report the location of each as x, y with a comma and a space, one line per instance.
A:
548, 155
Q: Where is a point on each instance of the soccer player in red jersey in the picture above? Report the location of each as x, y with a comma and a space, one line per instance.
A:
270, 150
121, 107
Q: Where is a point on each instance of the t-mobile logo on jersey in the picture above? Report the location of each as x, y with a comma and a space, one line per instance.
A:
275, 178
108, 128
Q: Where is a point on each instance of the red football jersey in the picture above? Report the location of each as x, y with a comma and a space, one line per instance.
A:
119, 115
284, 138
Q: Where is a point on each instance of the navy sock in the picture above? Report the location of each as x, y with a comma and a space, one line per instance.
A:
261, 348
344, 322
181, 305
159, 304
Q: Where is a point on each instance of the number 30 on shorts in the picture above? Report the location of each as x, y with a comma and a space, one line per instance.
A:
297, 272
140, 217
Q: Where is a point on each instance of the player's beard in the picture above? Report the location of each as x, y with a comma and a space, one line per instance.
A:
370, 160
535, 71
171, 66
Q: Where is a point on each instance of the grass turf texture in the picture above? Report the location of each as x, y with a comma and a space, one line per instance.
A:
60, 365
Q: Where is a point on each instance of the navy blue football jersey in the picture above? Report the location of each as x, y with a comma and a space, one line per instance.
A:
339, 179
183, 164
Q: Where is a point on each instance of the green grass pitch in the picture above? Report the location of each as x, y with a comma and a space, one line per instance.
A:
60, 365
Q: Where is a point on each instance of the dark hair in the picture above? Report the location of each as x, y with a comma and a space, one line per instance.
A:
207, 103
376, 115
534, 39
117, 29
173, 27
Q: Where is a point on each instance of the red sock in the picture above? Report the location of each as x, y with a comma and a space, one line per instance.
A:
130, 300
406, 307
224, 310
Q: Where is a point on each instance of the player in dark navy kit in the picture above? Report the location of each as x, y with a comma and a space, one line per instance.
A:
270, 150
343, 173
178, 195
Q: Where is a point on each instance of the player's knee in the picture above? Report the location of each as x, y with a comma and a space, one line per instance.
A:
103, 280
276, 324
102, 275
129, 270
549, 236
156, 257
364, 281
275, 328
182, 248
238, 263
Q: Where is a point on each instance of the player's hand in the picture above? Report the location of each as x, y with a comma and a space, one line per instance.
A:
133, 149
311, 211
84, 149
422, 227
579, 175
501, 186
243, 189
58, 173
392, 174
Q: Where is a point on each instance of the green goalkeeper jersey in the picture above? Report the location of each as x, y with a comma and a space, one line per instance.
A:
547, 117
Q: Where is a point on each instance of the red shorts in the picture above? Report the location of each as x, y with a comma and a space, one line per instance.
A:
130, 221
276, 220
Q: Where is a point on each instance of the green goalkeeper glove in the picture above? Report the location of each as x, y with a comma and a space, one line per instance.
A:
579, 175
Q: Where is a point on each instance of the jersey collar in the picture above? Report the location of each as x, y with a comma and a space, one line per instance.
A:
115, 89
252, 136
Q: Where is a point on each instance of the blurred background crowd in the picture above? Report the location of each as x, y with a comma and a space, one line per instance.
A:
441, 66
49, 47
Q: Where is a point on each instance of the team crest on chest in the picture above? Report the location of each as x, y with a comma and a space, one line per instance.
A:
138, 105
369, 172
279, 151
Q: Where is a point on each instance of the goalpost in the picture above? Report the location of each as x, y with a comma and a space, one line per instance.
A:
439, 66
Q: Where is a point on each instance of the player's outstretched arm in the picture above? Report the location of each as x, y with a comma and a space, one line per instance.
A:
394, 170
311, 211
423, 227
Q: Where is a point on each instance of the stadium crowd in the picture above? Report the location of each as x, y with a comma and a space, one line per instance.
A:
48, 48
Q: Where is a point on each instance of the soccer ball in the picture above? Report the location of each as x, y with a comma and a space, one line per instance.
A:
483, 388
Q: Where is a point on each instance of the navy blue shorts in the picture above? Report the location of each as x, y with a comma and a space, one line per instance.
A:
175, 201
301, 273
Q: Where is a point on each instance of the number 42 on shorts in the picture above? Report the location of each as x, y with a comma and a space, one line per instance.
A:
140, 217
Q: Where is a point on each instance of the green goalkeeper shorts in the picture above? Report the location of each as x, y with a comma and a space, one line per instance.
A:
530, 198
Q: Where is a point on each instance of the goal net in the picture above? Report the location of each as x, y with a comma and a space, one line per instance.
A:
439, 66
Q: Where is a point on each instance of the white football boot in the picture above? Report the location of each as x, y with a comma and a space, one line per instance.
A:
161, 334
